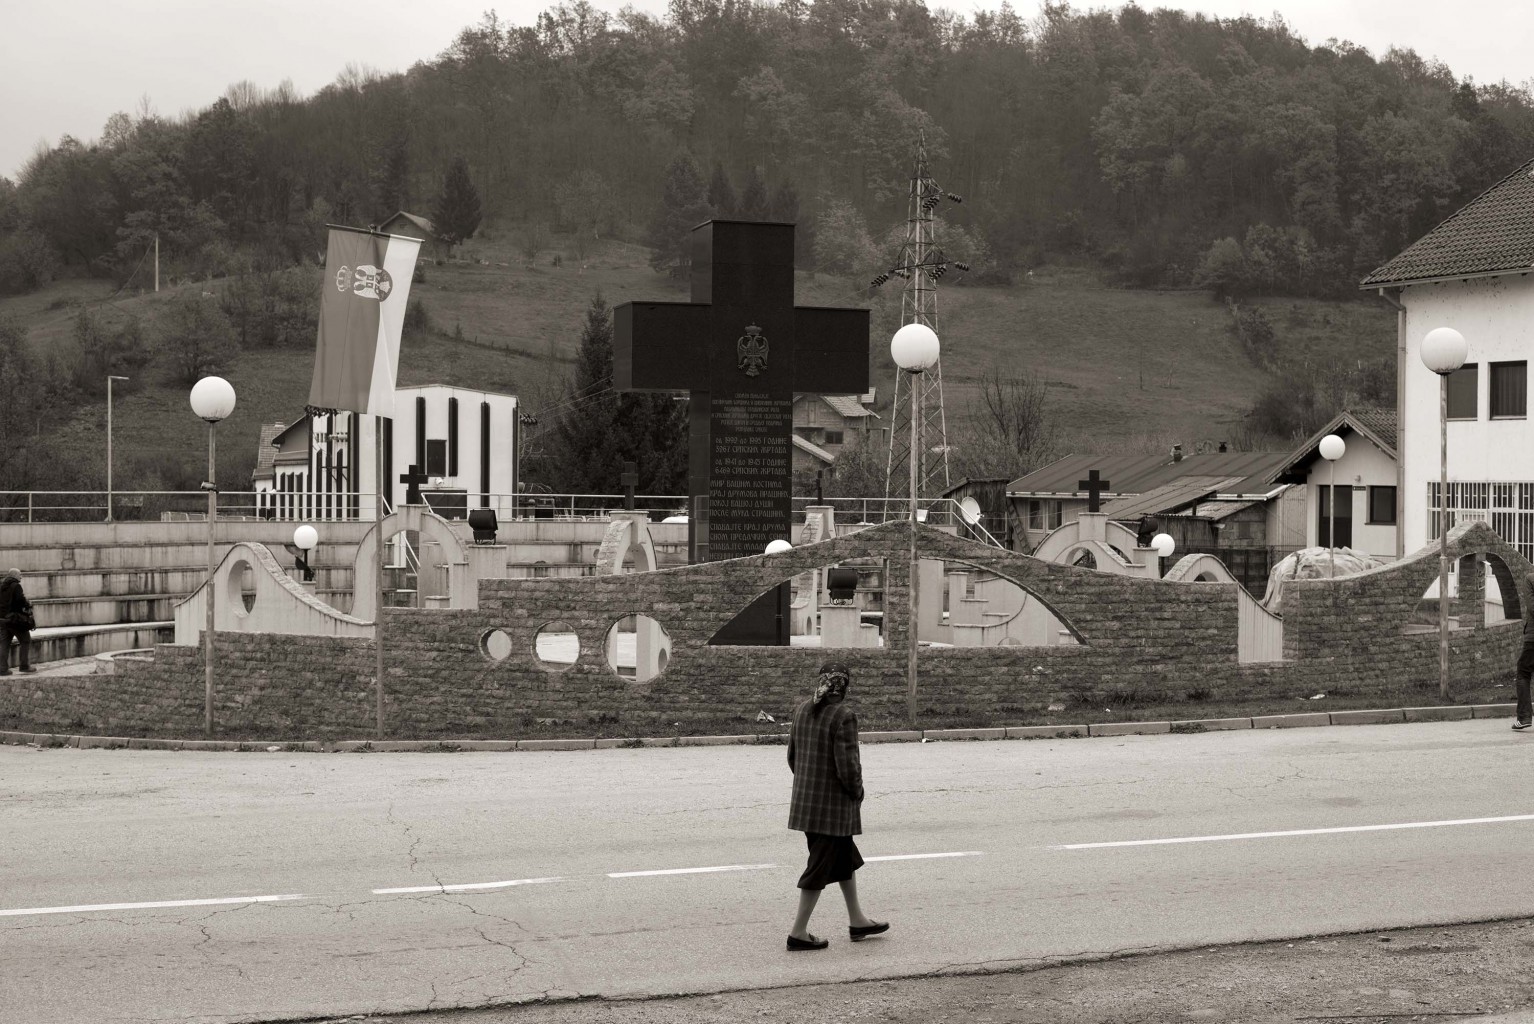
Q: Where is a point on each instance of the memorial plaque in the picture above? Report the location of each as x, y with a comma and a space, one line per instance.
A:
742, 349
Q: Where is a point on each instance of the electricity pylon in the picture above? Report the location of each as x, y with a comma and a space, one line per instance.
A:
920, 264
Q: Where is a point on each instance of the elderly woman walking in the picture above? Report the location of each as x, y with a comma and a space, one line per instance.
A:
15, 621
827, 798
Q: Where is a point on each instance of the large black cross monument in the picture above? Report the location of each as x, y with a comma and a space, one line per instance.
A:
743, 350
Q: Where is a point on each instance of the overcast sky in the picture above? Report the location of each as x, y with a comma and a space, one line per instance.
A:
65, 65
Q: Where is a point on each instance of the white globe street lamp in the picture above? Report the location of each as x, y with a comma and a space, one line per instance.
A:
212, 400
775, 547
1444, 350
1163, 545
1332, 449
915, 350
305, 539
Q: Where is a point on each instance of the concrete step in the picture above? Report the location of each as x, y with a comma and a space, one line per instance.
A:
62, 584
50, 644
105, 611
138, 556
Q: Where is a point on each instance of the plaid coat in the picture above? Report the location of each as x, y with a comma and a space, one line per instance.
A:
828, 775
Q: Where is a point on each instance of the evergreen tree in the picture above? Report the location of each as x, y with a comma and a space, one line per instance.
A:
391, 181
721, 194
457, 215
599, 430
753, 201
683, 206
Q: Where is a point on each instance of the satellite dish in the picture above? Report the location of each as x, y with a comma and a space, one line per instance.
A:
969, 509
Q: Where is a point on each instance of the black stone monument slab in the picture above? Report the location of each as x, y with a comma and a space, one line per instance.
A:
742, 349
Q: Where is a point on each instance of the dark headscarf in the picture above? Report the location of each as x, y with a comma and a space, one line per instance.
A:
834, 677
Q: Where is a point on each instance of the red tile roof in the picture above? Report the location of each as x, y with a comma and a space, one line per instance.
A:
1492, 234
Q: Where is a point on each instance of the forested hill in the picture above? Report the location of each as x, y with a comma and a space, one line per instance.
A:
1134, 139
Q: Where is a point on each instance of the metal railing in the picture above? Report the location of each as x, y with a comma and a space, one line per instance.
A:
191, 506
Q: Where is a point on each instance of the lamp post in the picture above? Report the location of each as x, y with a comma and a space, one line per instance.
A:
110, 378
1332, 448
915, 349
1163, 544
1443, 351
305, 538
212, 400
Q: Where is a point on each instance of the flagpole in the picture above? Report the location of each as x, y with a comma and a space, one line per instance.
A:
378, 561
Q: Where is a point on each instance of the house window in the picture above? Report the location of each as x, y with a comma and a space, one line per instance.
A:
1382, 506
1035, 515
1509, 390
1464, 388
1056, 514
436, 458
833, 437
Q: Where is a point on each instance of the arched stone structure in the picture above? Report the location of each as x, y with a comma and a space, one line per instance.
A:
630, 531
281, 605
462, 589
1105, 540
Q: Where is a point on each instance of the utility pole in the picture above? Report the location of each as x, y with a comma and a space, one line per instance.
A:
920, 264
156, 261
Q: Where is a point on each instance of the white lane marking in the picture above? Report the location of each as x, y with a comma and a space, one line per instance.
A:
1297, 832
465, 886
924, 856
148, 906
690, 871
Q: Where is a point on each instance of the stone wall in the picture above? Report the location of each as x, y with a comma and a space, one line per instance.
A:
442, 680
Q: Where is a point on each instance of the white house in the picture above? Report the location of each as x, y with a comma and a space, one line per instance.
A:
1364, 480
1470, 273
462, 442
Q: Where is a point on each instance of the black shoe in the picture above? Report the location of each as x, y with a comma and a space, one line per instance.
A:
859, 934
28, 668
1521, 725
810, 943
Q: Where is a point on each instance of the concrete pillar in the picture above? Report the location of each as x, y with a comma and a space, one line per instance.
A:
1093, 526
841, 626
930, 578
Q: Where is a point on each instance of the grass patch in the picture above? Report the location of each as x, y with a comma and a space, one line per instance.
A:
1127, 370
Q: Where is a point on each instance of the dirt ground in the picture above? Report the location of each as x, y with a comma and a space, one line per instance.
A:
1474, 972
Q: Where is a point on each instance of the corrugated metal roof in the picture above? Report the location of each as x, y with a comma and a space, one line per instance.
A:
1491, 234
1137, 474
848, 406
1172, 497
1217, 510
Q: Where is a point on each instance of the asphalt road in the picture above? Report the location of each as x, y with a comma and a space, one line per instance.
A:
88, 838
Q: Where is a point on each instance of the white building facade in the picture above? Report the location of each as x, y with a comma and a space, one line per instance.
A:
1470, 273
461, 443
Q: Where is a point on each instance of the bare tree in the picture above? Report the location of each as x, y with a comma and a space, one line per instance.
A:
1009, 431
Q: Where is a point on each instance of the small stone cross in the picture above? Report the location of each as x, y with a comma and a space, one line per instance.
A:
1094, 485
629, 480
413, 480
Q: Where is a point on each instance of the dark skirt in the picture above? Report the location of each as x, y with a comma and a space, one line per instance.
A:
832, 859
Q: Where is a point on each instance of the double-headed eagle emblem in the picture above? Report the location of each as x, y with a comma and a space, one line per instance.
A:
751, 351
368, 281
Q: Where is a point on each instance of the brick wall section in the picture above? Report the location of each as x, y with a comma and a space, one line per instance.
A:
1135, 634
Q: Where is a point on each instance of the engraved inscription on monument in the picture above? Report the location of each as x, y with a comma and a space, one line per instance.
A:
750, 480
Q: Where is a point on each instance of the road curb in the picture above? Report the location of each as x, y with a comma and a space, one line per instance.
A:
1314, 719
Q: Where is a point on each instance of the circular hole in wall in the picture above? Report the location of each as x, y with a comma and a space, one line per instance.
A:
495, 644
240, 591
638, 648
556, 645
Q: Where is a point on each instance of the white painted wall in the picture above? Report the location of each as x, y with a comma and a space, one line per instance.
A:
1496, 316
1361, 466
503, 416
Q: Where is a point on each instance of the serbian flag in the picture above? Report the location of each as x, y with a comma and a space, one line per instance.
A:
367, 281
